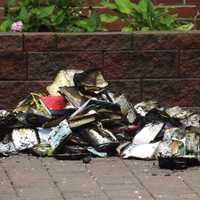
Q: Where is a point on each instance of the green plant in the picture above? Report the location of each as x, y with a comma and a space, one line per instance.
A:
144, 16
48, 15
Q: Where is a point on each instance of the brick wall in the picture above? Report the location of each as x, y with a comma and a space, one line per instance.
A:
158, 65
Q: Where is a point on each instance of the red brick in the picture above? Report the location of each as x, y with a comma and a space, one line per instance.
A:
13, 66
189, 63
1, 12
184, 93
97, 41
197, 2
166, 40
185, 11
2, 3
44, 66
130, 64
127, 87
168, 2
39, 42
11, 42
11, 92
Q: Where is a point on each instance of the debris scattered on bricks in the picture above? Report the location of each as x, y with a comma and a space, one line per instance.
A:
80, 118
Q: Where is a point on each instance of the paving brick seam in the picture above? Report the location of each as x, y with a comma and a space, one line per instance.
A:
97, 182
138, 179
52, 179
11, 182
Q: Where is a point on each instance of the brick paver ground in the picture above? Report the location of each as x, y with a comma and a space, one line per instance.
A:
28, 178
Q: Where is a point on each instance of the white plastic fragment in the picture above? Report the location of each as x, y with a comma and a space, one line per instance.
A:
143, 151
43, 134
144, 107
24, 138
4, 113
7, 148
148, 133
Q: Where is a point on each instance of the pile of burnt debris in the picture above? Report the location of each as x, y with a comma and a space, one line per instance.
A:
81, 118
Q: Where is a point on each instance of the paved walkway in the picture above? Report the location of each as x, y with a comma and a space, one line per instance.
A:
29, 178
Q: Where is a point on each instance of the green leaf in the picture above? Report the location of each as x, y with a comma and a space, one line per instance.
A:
86, 24
108, 18
146, 6
46, 11
145, 29
124, 6
160, 11
5, 25
59, 18
24, 15
11, 3
136, 8
185, 27
167, 20
127, 29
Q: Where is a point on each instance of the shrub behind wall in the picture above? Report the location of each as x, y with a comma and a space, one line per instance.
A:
186, 9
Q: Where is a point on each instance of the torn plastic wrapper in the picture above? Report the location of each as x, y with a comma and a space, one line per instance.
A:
59, 135
173, 143
180, 153
180, 144
176, 133
148, 133
63, 78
